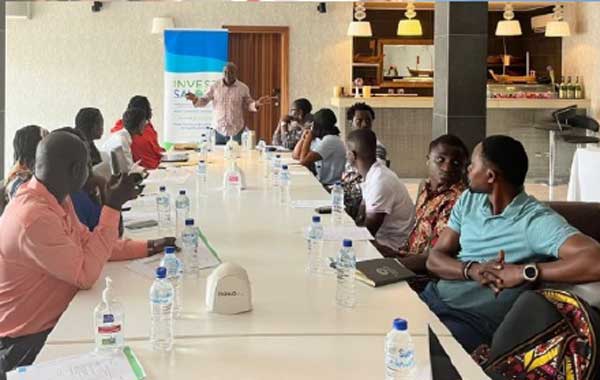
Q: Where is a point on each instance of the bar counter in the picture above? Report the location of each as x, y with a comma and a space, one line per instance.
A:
404, 126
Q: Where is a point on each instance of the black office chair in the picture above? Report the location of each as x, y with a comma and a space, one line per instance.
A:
567, 119
564, 121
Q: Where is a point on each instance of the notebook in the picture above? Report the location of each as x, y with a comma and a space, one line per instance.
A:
380, 272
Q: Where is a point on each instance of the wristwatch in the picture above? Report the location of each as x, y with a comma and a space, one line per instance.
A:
531, 272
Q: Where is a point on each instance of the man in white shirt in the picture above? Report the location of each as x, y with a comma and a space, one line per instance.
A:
134, 120
386, 209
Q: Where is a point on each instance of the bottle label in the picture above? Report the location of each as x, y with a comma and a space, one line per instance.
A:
400, 359
233, 179
109, 329
108, 318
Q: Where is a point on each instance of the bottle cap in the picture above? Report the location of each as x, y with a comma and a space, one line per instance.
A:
316, 219
201, 161
400, 324
162, 188
189, 222
169, 250
161, 272
347, 243
278, 156
181, 192
338, 183
284, 167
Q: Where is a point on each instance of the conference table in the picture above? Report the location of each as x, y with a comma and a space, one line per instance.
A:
294, 324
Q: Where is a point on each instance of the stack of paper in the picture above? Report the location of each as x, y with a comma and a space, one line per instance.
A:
88, 366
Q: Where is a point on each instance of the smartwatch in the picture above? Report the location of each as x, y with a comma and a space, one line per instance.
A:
531, 272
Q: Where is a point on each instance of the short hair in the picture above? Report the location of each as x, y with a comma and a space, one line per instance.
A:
303, 104
452, 141
86, 120
72, 131
359, 107
25, 143
324, 123
142, 102
508, 156
364, 141
132, 118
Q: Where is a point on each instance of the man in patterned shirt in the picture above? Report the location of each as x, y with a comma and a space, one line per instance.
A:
292, 126
447, 163
361, 115
230, 97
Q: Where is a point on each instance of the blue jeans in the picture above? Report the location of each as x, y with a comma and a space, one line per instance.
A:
468, 329
222, 139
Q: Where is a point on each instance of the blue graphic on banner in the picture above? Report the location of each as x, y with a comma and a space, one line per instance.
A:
194, 60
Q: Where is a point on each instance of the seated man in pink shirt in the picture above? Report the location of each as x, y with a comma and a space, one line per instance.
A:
47, 255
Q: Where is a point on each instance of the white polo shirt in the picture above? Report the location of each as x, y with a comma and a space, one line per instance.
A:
384, 193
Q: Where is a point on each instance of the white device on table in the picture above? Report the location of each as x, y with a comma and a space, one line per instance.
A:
228, 290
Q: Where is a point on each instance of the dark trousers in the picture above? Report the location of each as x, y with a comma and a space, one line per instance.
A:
20, 351
468, 329
222, 139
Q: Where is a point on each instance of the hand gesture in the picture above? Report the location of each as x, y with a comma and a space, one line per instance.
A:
120, 189
264, 100
158, 245
192, 97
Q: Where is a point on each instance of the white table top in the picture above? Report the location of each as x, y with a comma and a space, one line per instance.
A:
266, 238
277, 357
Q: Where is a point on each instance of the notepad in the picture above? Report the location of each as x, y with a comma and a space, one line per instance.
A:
89, 366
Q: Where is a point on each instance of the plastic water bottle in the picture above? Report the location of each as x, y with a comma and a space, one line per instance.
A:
212, 139
269, 153
232, 179
337, 203
108, 321
399, 353
346, 270
285, 182
204, 147
161, 312
174, 268
275, 168
315, 246
202, 171
189, 239
182, 211
163, 203
245, 136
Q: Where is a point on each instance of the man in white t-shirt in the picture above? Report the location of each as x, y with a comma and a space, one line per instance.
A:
386, 209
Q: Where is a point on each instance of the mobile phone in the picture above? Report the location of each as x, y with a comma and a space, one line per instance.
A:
323, 210
141, 224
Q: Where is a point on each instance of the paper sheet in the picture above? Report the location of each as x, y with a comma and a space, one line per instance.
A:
339, 233
310, 203
88, 366
146, 267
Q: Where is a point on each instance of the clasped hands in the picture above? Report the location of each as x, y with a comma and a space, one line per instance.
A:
496, 274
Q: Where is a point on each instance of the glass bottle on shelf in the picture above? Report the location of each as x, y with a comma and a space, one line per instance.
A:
578, 92
562, 88
570, 89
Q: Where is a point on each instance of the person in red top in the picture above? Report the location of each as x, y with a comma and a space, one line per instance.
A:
144, 147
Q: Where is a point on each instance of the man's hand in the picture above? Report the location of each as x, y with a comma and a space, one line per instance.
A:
158, 245
264, 100
121, 189
287, 119
498, 276
192, 97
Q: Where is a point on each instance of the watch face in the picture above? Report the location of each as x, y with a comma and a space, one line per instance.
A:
530, 272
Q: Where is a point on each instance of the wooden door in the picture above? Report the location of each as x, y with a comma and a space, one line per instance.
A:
261, 55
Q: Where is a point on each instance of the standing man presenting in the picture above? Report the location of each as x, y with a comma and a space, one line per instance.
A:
230, 98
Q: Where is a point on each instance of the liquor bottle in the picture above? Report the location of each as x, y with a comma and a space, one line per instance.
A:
570, 89
562, 88
578, 89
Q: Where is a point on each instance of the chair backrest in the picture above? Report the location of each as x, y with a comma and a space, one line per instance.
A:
102, 169
583, 122
562, 115
118, 162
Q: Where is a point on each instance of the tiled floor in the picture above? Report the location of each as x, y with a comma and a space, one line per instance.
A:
540, 191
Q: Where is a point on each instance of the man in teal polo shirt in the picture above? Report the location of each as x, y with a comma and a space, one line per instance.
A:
500, 241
